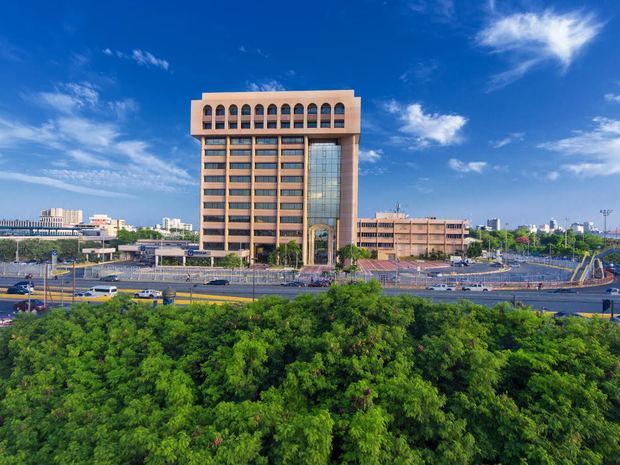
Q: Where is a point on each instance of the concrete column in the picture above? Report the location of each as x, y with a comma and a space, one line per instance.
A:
183, 260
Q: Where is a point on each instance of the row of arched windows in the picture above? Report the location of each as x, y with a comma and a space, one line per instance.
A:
285, 109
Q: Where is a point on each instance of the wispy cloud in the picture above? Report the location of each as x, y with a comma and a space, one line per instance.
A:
509, 139
370, 156
68, 97
467, 167
267, 85
530, 39
141, 57
598, 150
427, 128
421, 72
614, 98
440, 10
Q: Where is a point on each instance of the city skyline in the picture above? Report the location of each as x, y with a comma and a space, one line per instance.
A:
477, 110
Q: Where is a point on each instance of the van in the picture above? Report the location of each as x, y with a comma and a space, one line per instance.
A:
102, 291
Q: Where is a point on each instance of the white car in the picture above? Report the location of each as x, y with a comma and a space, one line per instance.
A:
440, 287
613, 291
148, 294
477, 288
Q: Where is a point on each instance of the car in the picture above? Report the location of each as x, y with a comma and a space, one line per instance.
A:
320, 283
34, 305
564, 290
459, 264
148, 294
6, 321
218, 282
434, 274
83, 294
613, 291
477, 288
496, 265
615, 320
441, 287
566, 315
515, 265
111, 278
20, 290
294, 284
27, 284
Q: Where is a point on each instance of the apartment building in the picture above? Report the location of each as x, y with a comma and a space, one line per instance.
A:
278, 167
394, 235
61, 217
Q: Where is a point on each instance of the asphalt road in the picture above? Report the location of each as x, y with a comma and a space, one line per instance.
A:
585, 300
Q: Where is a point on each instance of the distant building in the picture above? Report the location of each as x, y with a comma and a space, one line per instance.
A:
553, 224
61, 217
578, 228
169, 224
394, 235
494, 224
110, 226
544, 228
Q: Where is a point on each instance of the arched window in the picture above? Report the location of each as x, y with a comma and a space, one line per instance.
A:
246, 110
326, 109
299, 109
219, 111
207, 110
285, 109
272, 110
259, 110
339, 109
312, 109
232, 110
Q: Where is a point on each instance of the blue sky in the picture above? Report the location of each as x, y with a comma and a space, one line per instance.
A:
471, 109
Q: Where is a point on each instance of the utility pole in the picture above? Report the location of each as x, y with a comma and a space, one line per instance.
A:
73, 294
605, 212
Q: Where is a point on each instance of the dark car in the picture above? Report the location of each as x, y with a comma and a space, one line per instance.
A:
564, 290
218, 282
27, 284
19, 290
35, 304
320, 283
112, 278
294, 284
566, 315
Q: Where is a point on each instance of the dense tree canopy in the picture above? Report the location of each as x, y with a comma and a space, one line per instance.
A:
343, 377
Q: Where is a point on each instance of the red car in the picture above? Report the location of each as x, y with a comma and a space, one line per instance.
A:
35, 305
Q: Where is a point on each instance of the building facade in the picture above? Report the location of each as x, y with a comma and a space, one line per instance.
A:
169, 224
278, 167
394, 235
494, 224
62, 217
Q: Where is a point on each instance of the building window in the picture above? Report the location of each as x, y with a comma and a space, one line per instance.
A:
232, 125
264, 219
298, 125
291, 206
339, 123
245, 125
311, 124
339, 109
240, 152
232, 110
219, 111
272, 125
259, 125
291, 192
285, 124
265, 192
325, 124
207, 111
292, 152
206, 126
326, 109
240, 166
259, 110
239, 178
290, 233
264, 152
285, 109
215, 153
239, 205
213, 204
245, 110
214, 192
291, 219
213, 232
240, 141
238, 219
454, 236
215, 141
454, 226
215, 166
219, 125
238, 232
264, 232
292, 140
265, 178
299, 109
238, 246
265, 166
265, 205
272, 110
215, 178
292, 166
213, 218
213, 245
292, 178
312, 109
239, 192
267, 140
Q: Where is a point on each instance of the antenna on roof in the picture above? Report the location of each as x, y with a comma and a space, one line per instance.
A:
398, 208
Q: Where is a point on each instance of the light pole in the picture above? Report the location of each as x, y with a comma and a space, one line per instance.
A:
605, 212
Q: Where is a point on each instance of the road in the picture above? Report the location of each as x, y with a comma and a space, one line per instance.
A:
585, 300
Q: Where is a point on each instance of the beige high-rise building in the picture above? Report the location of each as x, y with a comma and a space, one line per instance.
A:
61, 216
278, 167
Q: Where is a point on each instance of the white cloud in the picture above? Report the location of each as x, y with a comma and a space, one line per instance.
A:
370, 156
467, 167
509, 139
269, 85
530, 39
142, 57
86, 158
58, 184
614, 98
123, 108
242, 48
598, 150
70, 96
553, 175
428, 128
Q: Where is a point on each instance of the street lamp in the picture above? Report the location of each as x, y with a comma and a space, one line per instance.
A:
605, 212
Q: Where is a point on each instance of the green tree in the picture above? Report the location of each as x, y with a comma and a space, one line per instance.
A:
474, 250
232, 260
289, 254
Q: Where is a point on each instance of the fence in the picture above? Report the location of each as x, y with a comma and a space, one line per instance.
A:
562, 263
22, 269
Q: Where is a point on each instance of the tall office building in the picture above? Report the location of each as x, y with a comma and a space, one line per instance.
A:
277, 167
494, 224
61, 216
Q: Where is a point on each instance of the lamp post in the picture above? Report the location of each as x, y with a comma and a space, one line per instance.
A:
253, 279
605, 212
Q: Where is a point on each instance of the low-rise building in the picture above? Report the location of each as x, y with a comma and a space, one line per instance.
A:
394, 235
